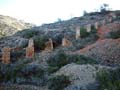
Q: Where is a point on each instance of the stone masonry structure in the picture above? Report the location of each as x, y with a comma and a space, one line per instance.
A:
49, 45
77, 32
66, 42
96, 25
30, 49
6, 55
88, 28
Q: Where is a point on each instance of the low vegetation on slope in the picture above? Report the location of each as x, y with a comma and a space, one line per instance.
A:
109, 80
115, 35
21, 73
64, 68
60, 59
59, 82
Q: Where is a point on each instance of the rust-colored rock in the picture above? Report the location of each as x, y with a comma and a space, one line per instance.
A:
77, 32
106, 51
49, 45
30, 49
105, 30
66, 42
6, 55
29, 52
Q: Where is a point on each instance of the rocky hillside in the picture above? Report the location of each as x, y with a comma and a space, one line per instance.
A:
9, 25
50, 57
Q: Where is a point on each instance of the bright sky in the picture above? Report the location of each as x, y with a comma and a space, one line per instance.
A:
47, 11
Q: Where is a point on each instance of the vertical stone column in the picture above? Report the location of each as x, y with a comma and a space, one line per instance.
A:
31, 43
77, 32
6, 55
110, 19
103, 22
49, 45
66, 42
30, 49
88, 28
96, 25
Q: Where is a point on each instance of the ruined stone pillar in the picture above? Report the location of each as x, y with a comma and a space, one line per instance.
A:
96, 25
88, 28
31, 43
6, 55
110, 19
77, 32
30, 49
66, 42
49, 45
103, 22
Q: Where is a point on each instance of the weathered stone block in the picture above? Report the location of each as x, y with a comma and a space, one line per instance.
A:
30, 49
49, 45
66, 42
31, 43
88, 28
77, 32
29, 52
6, 55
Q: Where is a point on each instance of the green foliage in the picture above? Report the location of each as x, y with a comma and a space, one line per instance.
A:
40, 42
15, 55
55, 62
83, 32
93, 29
59, 82
52, 69
19, 72
81, 59
115, 35
29, 33
109, 80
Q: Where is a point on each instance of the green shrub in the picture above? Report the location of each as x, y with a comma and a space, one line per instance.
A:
115, 35
81, 59
20, 73
53, 69
15, 55
83, 32
109, 80
57, 61
93, 29
60, 59
40, 42
29, 33
59, 82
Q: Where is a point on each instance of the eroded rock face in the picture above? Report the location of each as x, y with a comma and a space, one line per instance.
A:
80, 75
13, 42
106, 51
9, 25
104, 31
